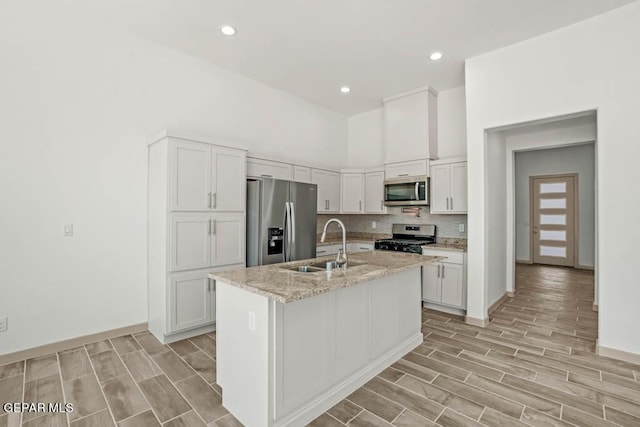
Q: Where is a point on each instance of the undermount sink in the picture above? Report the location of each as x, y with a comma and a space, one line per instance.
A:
319, 266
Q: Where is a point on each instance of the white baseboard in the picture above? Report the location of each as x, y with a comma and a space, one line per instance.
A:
511, 294
618, 354
496, 304
474, 321
585, 267
524, 261
315, 408
444, 308
168, 339
55, 347
594, 307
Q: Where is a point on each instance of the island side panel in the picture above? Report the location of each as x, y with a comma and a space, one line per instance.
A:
328, 346
243, 354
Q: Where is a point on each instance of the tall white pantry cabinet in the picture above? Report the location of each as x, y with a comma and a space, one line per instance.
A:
196, 225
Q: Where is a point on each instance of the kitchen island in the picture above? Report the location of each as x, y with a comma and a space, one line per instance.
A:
293, 344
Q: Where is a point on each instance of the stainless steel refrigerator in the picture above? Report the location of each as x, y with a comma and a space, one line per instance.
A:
281, 221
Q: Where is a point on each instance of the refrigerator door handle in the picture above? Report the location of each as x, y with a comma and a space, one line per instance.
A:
293, 228
287, 232
285, 239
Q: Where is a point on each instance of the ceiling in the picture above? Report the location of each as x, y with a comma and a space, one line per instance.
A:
311, 48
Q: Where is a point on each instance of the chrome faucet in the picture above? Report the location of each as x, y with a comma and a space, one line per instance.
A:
341, 259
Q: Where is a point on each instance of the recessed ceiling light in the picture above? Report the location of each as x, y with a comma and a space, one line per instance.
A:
228, 30
435, 56
345, 89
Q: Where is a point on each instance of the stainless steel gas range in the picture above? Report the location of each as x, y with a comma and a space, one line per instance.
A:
408, 238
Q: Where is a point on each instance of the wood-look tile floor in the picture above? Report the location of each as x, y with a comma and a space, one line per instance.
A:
533, 365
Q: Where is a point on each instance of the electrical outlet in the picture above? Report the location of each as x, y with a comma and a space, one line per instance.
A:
4, 324
461, 228
373, 224
252, 321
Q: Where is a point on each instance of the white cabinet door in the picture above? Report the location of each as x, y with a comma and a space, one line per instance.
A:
302, 174
190, 300
190, 176
452, 285
269, 169
228, 239
190, 242
229, 180
458, 176
413, 168
328, 190
431, 285
374, 193
440, 191
352, 193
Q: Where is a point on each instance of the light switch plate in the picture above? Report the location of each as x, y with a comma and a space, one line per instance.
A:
4, 324
252, 321
68, 230
373, 224
461, 228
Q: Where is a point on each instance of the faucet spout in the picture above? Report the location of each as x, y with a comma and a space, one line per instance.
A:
340, 260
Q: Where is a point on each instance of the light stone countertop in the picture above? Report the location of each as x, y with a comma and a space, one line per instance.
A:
332, 241
285, 286
447, 247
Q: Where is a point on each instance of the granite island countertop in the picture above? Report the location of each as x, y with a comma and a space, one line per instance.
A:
285, 286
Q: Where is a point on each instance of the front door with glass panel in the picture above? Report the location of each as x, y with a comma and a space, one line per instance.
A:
553, 207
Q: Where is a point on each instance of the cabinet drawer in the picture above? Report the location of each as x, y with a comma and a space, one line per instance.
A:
452, 257
326, 250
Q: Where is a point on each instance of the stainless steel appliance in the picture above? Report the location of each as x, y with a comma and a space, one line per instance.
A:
281, 221
407, 191
408, 238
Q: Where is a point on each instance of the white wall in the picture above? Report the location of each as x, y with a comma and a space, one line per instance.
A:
577, 159
452, 124
496, 218
78, 104
366, 139
586, 66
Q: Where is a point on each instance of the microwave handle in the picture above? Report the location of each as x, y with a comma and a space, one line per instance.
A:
417, 194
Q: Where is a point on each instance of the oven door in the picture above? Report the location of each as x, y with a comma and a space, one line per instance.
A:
412, 191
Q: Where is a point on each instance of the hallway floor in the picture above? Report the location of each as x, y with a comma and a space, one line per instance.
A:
533, 365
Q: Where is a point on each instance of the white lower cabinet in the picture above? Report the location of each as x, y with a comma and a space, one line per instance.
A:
191, 300
444, 283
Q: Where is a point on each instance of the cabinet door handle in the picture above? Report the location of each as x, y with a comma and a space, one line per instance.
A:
209, 227
321, 252
443, 271
447, 203
452, 203
266, 176
364, 248
360, 204
214, 202
438, 270
381, 205
208, 285
403, 174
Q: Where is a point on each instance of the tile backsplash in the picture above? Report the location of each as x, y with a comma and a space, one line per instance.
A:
446, 225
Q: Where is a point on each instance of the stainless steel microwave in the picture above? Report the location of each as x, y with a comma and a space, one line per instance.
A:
407, 191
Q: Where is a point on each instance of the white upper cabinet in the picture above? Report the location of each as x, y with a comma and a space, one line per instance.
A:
228, 180
374, 193
352, 192
269, 169
190, 176
328, 183
448, 187
412, 168
411, 126
206, 177
302, 174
